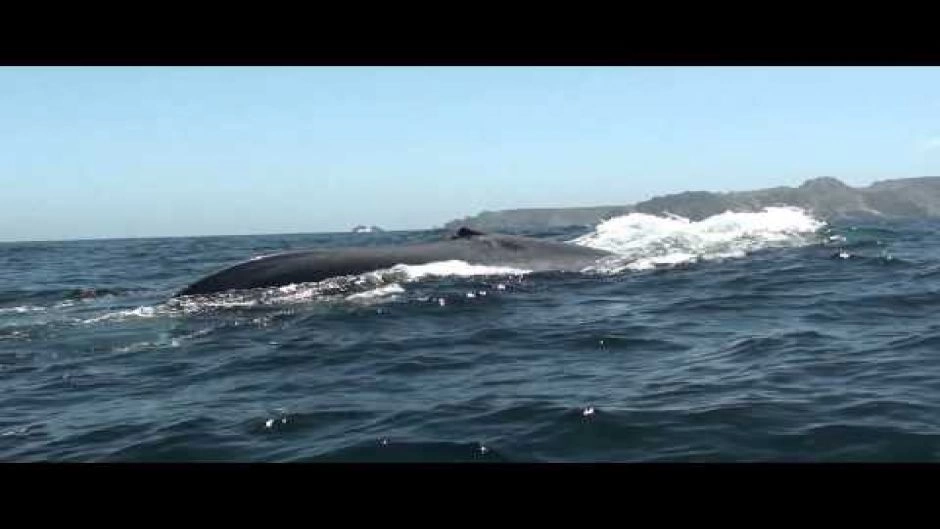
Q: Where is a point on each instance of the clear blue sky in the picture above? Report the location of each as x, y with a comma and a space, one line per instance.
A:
127, 152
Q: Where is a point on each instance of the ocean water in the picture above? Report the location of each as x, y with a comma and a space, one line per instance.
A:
769, 336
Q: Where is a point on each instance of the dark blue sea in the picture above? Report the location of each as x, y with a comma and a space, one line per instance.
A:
722, 342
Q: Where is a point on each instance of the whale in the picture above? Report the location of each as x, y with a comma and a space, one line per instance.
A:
468, 245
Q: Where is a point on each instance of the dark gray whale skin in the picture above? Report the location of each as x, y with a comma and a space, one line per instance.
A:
467, 245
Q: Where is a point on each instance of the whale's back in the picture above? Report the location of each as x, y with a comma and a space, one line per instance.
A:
472, 247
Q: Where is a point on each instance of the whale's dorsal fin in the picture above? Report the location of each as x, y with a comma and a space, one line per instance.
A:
466, 233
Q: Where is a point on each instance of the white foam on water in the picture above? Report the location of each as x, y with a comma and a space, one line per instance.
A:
644, 241
23, 309
22, 430
139, 312
298, 293
451, 268
387, 290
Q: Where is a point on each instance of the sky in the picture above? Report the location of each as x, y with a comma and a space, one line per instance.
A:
145, 152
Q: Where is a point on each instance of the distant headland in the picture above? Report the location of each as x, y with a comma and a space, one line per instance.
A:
824, 197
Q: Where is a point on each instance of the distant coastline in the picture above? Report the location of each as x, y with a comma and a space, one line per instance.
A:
824, 197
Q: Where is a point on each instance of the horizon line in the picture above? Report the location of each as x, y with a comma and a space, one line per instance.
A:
203, 236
